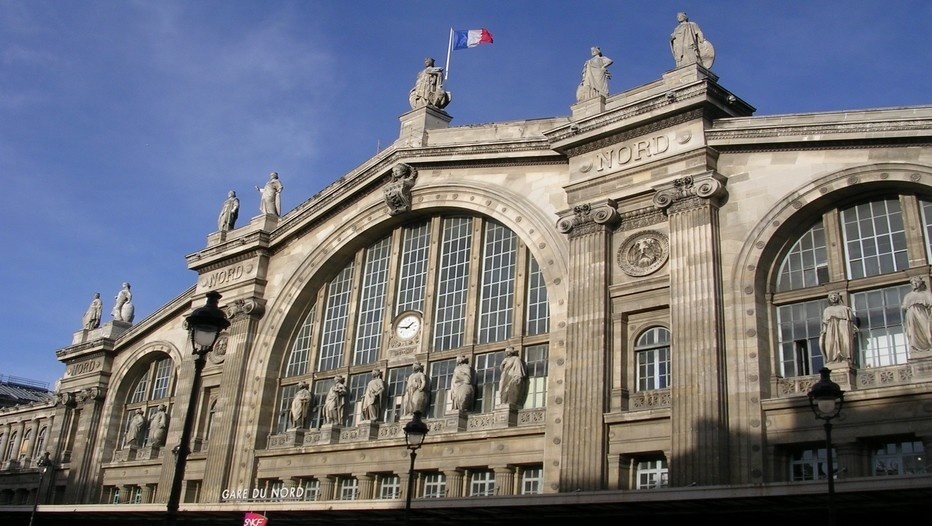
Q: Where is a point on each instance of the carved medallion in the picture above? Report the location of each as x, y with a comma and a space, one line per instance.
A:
643, 253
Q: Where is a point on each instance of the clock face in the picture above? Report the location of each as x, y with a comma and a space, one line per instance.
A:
408, 326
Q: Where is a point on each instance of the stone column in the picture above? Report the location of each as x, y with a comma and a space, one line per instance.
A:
4, 440
366, 486
583, 451
82, 484
233, 350
326, 488
147, 494
849, 460
454, 481
504, 480
699, 445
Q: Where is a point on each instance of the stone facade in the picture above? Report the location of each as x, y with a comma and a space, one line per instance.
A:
636, 252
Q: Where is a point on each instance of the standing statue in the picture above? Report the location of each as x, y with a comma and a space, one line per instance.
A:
595, 76
133, 436
917, 316
398, 190
462, 392
333, 404
372, 398
228, 213
428, 88
838, 330
688, 44
123, 310
270, 201
416, 390
158, 427
299, 405
512, 386
92, 314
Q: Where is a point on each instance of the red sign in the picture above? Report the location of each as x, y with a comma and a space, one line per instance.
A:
254, 519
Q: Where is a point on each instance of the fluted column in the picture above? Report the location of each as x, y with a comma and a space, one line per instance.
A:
699, 445
82, 486
589, 229
504, 480
454, 481
233, 349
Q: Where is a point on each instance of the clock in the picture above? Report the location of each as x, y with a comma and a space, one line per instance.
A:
408, 325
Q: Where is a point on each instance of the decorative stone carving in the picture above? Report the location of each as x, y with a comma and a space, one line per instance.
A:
589, 217
428, 88
689, 45
91, 318
917, 318
398, 190
837, 337
643, 253
248, 307
595, 76
688, 193
228, 213
88, 394
123, 309
270, 196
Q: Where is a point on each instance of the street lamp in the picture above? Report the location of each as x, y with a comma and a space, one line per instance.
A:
44, 463
826, 399
204, 325
415, 433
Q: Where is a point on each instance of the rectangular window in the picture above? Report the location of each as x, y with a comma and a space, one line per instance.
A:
651, 473
335, 318
394, 393
482, 483
536, 358
389, 487
875, 241
137, 495
297, 360
538, 303
488, 371
372, 302
355, 389
435, 485
412, 281
348, 488
311, 489
453, 283
806, 265
532, 480
441, 376
899, 458
881, 336
321, 388
809, 464
798, 327
163, 374
496, 304
284, 408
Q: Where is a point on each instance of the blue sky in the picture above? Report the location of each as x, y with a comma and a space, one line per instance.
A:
123, 124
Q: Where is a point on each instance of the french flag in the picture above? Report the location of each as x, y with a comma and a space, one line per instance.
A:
467, 38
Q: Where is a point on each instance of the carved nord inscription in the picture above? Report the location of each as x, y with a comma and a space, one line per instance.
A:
635, 151
225, 276
84, 367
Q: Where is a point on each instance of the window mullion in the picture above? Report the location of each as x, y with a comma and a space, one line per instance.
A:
834, 246
470, 332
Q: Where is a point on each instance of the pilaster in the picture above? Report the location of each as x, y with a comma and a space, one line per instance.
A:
82, 482
589, 230
699, 442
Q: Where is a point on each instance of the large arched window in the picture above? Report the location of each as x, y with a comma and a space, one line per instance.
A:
867, 268
153, 387
465, 285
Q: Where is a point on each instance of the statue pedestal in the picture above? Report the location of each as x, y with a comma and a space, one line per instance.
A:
294, 437
125, 454
330, 433
505, 415
148, 453
587, 108
368, 430
415, 123
454, 420
110, 330
843, 374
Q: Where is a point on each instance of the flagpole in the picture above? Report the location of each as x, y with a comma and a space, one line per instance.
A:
446, 67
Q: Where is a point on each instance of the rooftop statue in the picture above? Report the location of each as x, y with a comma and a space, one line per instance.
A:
270, 201
595, 76
228, 213
688, 44
123, 310
428, 88
92, 315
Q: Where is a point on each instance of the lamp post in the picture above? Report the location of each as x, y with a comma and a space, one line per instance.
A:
204, 325
826, 399
415, 433
44, 463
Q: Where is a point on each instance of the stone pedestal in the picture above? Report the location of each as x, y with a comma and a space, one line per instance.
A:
330, 433
505, 415
110, 330
368, 430
293, 437
454, 420
415, 123
587, 108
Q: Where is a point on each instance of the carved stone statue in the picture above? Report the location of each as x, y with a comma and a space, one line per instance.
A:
92, 314
398, 190
428, 88
838, 330
372, 397
333, 404
270, 196
133, 436
512, 386
299, 405
462, 393
416, 390
688, 44
158, 427
595, 77
123, 310
228, 213
917, 316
